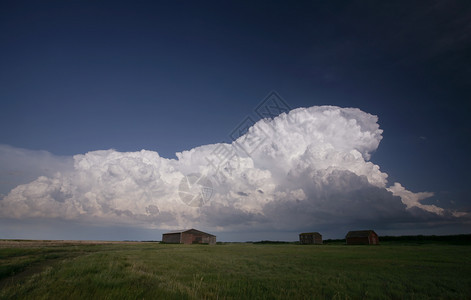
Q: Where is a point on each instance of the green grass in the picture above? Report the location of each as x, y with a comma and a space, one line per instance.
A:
236, 271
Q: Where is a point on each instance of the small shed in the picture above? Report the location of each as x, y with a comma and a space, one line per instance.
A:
310, 238
362, 237
188, 236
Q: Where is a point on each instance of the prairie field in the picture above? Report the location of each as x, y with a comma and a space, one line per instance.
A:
147, 270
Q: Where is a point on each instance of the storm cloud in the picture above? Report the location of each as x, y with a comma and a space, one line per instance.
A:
310, 167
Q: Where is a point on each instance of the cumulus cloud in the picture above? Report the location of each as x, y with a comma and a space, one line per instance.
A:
19, 166
309, 167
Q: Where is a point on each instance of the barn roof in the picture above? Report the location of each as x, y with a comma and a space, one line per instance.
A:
360, 233
309, 233
186, 230
177, 231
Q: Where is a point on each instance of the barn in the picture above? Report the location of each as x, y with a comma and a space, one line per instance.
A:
362, 237
188, 236
310, 238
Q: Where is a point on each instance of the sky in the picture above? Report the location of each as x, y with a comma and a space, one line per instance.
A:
111, 111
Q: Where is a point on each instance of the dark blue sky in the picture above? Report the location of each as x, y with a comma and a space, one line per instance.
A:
77, 76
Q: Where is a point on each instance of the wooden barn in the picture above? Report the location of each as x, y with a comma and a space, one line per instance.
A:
362, 237
310, 238
188, 236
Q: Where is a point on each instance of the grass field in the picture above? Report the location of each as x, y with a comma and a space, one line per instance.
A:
72, 270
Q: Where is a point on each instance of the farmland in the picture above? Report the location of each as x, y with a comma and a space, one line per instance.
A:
145, 270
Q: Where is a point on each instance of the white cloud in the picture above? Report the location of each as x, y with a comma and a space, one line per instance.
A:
413, 199
307, 168
19, 166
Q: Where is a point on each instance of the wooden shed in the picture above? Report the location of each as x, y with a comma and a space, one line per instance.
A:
362, 237
188, 236
310, 238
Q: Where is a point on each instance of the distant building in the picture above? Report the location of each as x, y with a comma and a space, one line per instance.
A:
362, 237
188, 236
310, 238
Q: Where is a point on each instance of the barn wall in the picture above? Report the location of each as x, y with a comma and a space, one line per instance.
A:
209, 240
171, 238
310, 239
197, 238
187, 238
373, 239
